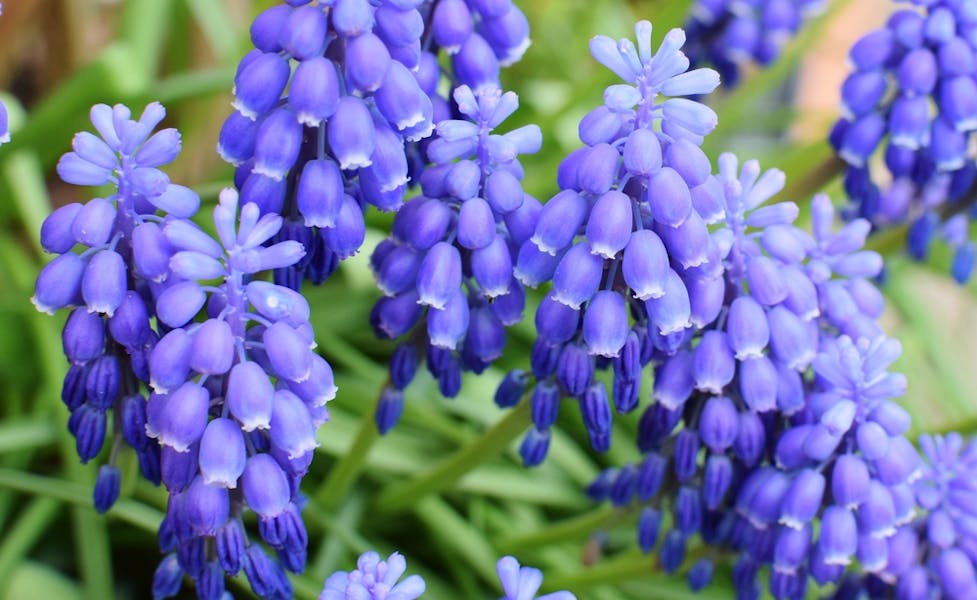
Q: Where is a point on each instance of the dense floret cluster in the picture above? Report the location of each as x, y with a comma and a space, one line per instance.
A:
909, 111
332, 101
112, 281
622, 238
773, 437
731, 34
214, 429
452, 250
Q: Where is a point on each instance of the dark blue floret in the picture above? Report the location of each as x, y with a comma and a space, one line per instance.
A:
911, 99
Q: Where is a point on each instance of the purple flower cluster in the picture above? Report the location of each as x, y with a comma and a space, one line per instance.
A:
332, 100
739, 432
729, 34
215, 429
111, 282
236, 402
624, 235
912, 100
446, 270
937, 552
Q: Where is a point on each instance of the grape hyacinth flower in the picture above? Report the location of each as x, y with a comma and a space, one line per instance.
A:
908, 115
362, 93
620, 240
736, 409
521, 583
237, 400
374, 579
324, 106
110, 282
730, 34
446, 270
934, 556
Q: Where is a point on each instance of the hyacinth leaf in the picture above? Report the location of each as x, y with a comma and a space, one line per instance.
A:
23, 184
31, 577
634, 567
32, 521
941, 348
402, 495
214, 20
146, 46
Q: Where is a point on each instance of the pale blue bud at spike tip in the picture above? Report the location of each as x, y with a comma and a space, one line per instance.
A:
374, 579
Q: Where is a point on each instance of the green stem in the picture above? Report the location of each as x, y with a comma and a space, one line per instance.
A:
28, 528
135, 513
347, 469
146, 41
193, 84
26, 435
575, 528
458, 535
401, 495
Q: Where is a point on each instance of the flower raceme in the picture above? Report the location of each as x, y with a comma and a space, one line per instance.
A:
631, 198
730, 34
736, 387
111, 282
236, 402
446, 270
910, 101
333, 100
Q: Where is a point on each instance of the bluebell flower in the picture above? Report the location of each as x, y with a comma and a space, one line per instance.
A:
522, 583
238, 397
99, 274
908, 113
731, 35
374, 579
447, 269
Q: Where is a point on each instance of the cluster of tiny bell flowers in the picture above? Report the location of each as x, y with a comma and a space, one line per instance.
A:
733, 34
773, 433
335, 99
350, 126
623, 237
446, 271
905, 135
206, 371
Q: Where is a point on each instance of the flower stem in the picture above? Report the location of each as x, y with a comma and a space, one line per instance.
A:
348, 467
575, 528
402, 495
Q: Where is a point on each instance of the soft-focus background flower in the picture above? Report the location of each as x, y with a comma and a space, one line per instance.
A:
57, 57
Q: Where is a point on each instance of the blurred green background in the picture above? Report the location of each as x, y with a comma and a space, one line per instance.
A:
445, 487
